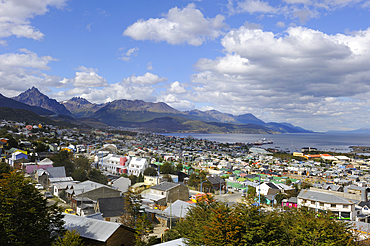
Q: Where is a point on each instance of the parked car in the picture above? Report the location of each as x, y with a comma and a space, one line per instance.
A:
69, 211
39, 186
48, 194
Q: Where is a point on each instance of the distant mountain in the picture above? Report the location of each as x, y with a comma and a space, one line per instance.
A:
34, 97
285, 128
81, 107
117, 112
82, 122
358, 131
23, 115
180, 124
157, 117
11, 103
212, 115
249, 119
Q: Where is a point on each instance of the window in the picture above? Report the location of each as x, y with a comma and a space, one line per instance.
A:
333, 205
345, 206
312, 202
321, 204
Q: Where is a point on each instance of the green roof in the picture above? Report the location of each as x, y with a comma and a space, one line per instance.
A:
237, 171
234, 185
241, 179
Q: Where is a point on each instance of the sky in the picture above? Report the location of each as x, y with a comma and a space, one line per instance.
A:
305, 62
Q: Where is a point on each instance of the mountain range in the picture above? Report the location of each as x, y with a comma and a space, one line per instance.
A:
155, 117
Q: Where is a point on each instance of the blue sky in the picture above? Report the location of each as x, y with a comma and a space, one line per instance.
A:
305, 62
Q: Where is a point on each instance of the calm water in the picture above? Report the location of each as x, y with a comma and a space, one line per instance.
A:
292, 141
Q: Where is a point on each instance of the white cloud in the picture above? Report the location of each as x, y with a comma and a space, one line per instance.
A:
130, 88
280, 24
85, 77
255, 6
176, 88
126, 56
149, 66
178, 26
176, 102
15, 17
20, 71
146, 79
291, 76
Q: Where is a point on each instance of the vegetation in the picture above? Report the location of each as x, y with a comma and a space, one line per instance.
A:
150, 171
135, 218
25, 217
215, 223
70, 238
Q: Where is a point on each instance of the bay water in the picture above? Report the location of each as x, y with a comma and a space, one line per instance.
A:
334, 142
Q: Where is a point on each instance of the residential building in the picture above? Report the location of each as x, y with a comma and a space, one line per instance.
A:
341, 207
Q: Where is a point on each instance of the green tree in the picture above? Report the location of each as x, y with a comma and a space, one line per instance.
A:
82, 162
70, 238
213, 223
166, 168
179, 167
150, 171
41, 147
25, 216
140, 178
171, 234
64, 159
4, 168
251, 192
136, 218
79, 174
97, 176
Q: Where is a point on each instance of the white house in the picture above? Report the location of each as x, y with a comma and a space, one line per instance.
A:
115, 164
267, 188
137, 166
341, 207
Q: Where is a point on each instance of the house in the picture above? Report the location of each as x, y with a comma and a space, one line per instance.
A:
111, 208
267, 188
44, 164
16, 158
122, 184
137, 166
90, 190
115, 164
167, 192
291, 202
217, 182
98, 232
341, 207
173, 213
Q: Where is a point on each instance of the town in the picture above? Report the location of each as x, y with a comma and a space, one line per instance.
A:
91, 172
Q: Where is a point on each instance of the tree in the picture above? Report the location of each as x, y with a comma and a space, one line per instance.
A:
70, 238
214, 223
135, 218
79, 174
166, 168
150, 171
64, 159
4, 168
179, 167
25, 216
82, 162
97, 176
41, 147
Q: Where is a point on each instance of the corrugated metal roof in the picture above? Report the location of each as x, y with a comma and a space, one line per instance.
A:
90, 228
323, 197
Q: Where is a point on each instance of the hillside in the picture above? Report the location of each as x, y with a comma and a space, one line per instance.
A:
34, 97
8, 102
81, 107
22, 115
